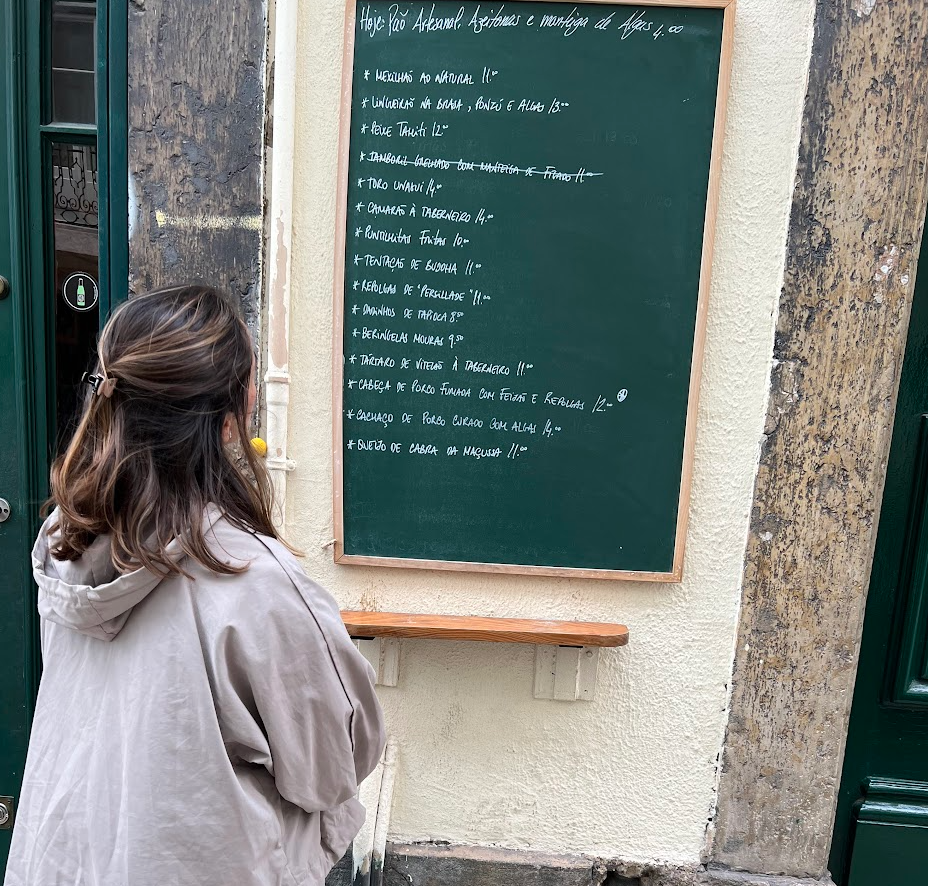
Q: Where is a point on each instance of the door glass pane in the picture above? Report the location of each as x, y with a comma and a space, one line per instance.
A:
77, 313
73, 53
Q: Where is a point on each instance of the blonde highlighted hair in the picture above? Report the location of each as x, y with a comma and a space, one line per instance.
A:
147, 456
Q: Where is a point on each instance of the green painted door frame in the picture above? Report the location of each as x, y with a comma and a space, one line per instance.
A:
27, 344
113, 149
881, 825
22, 380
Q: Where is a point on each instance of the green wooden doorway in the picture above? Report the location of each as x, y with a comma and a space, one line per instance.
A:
63, 260
881, 826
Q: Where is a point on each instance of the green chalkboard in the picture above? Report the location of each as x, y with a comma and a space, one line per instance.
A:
524, 212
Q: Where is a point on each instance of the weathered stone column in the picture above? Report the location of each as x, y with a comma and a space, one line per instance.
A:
196, 134
857, 214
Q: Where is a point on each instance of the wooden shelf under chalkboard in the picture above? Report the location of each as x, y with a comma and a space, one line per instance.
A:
492, 630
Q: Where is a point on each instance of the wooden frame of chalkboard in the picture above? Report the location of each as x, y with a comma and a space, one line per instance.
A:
675, 571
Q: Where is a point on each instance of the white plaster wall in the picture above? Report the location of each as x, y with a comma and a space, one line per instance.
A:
633, 773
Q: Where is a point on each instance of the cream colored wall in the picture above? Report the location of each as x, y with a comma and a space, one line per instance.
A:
631, 774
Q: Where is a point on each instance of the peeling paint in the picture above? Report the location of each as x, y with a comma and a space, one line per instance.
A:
133, 206
864, 8
209, 222
887, 263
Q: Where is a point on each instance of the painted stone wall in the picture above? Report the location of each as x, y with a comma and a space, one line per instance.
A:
632, 774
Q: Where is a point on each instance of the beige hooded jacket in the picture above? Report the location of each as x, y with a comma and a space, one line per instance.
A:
209, 731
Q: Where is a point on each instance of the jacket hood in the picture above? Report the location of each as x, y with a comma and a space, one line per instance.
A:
89, 595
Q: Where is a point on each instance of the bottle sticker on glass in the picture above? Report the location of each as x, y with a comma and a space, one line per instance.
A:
80, 292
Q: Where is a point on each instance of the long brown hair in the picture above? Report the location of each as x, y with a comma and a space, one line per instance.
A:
147, 456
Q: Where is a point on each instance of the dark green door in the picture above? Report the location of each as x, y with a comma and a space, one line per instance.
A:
881, 827
17, 455
63, 258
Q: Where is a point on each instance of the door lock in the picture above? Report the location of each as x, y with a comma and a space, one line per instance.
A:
4, 510
4, 287
6, 813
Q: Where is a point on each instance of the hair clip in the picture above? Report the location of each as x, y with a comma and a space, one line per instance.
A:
102, 385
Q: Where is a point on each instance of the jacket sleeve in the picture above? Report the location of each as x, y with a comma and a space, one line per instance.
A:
293, 694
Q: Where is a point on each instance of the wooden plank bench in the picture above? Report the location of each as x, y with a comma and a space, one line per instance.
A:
493, 630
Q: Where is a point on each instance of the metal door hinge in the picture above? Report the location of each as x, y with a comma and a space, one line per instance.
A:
6, 813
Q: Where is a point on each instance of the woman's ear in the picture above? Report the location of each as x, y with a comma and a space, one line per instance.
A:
228, 428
